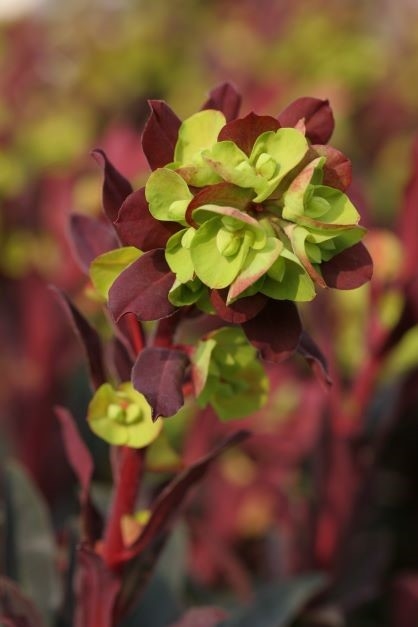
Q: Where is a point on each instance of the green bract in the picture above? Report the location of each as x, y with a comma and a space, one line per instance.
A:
108, 266
273, 156
228, 376
122, 416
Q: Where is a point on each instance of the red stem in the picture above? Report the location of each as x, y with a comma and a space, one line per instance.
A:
137, 335
125, 493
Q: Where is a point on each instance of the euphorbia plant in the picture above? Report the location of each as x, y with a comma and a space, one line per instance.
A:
240, 219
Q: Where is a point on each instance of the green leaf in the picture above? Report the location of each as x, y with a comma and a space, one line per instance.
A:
168, 195
32, 541
286, 147
196, 134
231, 164
211, 266
256, 265
287, 279
178, 255
201, 361
105, 269
183, 294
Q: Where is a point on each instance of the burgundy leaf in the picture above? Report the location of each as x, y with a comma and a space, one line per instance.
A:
160, 134
308, 348
239, 311
88, 337
337, 168
137, 227
81, 462
224, 98
317, 115
142, 289
349, 269
17, 610
96, 590
223, 194
201, 617
408, 219
121, 359
90, 237
115, 186
158, 374
275, 331
245, 131
170, 499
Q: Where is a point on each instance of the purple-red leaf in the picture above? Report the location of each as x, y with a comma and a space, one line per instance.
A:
81, 462
96, 590
17, 610
244, 132
115, 186
275, 331
308, 348
170, 499
223, 194
160, 134
201, 617
88, 337
224, 98
337, 170
241, 310
317, 115
142, 289
158, 374
137, 227
349, 269
90, 238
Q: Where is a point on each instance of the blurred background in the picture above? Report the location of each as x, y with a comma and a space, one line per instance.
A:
77, 75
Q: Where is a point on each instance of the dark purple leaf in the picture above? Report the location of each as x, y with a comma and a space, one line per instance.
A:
137, 227
317, 115
81, 462
160, 134
223, 194
142, 289
88, 337
201, 617
170, 499
115, 186
349, 269
337, 168
239, 311
96, 590
17, 610
90, 238
244, 132
121, 358
224, 98
275, 331
308, 348
158, 374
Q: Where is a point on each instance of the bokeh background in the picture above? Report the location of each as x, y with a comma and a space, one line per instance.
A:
77, 75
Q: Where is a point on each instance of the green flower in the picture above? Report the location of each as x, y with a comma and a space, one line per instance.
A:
122, 416
228, 376
273, 156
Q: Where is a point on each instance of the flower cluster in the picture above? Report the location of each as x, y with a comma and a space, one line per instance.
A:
253, 216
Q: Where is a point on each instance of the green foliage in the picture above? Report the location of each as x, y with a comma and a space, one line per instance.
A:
107, 267
228, 376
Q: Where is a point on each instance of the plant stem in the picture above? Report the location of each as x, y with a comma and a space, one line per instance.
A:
125, 492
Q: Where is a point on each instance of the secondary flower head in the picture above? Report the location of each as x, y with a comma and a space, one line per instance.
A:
122, 416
